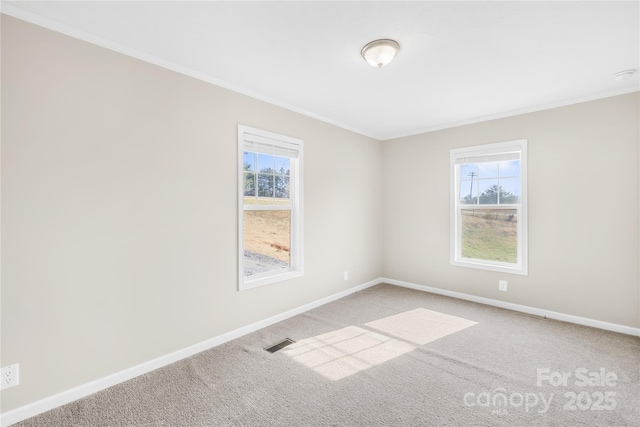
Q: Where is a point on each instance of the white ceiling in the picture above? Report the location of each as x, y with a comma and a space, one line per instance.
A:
459, 62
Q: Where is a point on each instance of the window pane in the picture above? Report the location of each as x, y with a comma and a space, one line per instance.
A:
249, 184
510, 168
265, 185
509, 191
488, 189
249, 160
469, 192
490, 234
468, 171
267, 241
282, 165
488, 170
282, 187
265, 163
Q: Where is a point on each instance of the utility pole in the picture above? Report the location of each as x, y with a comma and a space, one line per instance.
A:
472, 175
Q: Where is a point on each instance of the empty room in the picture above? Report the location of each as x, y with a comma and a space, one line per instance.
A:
310, 213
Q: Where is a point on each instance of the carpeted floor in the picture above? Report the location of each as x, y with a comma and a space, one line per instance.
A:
387, 356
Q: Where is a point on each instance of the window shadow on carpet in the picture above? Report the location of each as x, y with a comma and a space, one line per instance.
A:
344, 352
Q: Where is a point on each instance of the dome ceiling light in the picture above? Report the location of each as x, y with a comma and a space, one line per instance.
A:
379, 53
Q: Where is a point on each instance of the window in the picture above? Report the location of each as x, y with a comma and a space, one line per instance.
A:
270, 207
489, 207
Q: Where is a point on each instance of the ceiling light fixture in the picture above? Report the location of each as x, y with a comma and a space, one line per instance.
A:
379, 53
624, 75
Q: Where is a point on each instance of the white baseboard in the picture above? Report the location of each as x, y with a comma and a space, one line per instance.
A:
68, 396
521, 308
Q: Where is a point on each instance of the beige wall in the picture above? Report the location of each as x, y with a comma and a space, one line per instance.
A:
119, 211
583, 210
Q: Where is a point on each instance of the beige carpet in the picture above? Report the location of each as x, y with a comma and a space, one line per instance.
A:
387, 356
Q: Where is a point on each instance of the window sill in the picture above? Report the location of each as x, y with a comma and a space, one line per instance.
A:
502, 268
267, 279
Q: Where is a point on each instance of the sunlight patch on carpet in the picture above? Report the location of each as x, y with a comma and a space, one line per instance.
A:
345, 352
420, 326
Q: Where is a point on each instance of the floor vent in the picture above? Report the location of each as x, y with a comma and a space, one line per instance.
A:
282, 344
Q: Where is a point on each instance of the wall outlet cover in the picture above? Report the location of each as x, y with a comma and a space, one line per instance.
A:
9, 377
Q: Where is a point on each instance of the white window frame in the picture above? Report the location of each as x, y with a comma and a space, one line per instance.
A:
521, 266
247, 136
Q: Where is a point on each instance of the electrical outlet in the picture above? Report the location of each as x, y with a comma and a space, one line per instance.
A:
346, 276
502, 285
9, 376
